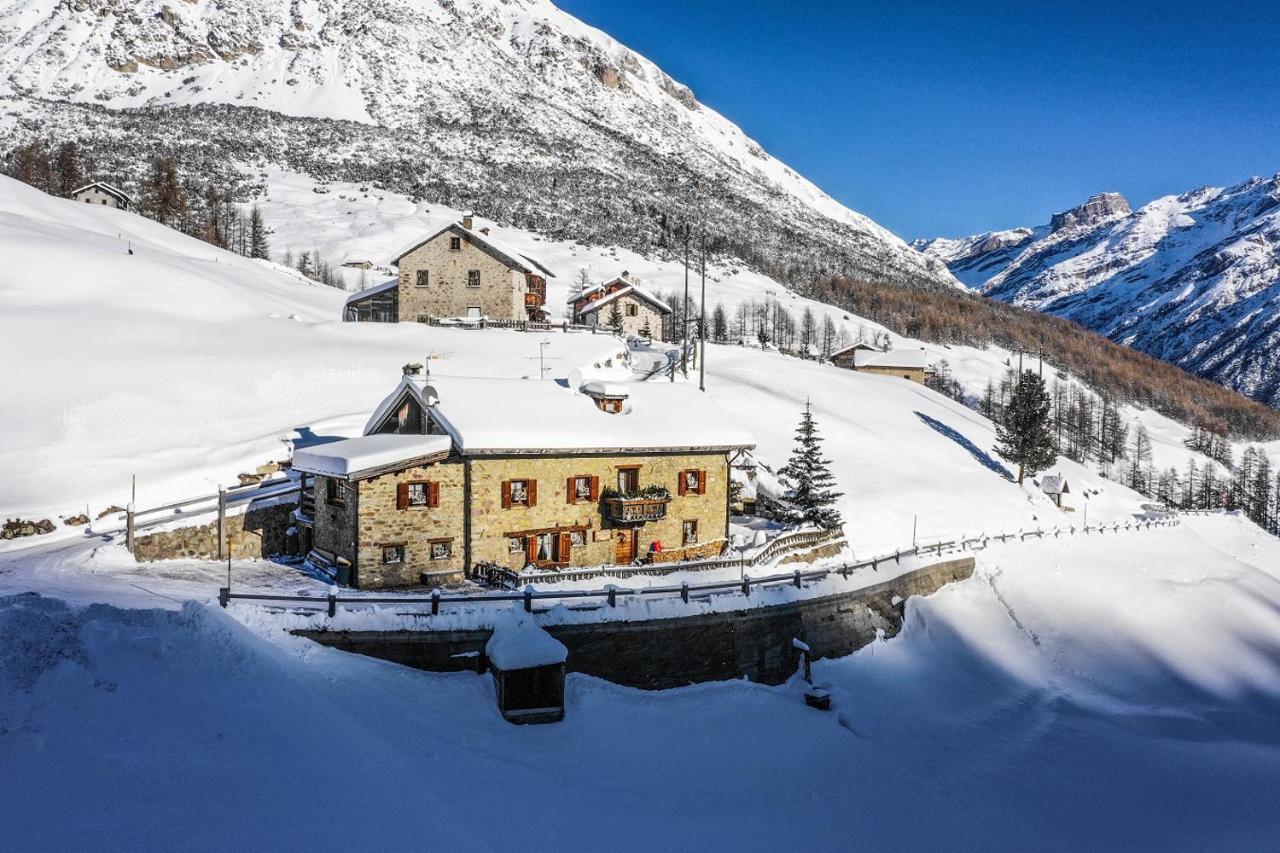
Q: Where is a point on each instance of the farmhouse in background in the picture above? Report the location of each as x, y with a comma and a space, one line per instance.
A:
99, 192
514, 472
907, 363
637, 306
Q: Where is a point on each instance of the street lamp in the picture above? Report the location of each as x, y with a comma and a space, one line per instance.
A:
542, 347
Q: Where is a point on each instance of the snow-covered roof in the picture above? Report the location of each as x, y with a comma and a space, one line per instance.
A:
518, 643
106, 188
353, 458
1054, 484
389, 284
904, 358
599, 388
513, 258
529, 416
636, 289
860, 345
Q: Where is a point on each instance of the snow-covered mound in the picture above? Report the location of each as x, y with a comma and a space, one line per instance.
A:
509, 106
1193, 279
1101, 694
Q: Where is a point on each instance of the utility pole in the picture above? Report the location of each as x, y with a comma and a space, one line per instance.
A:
542, 347
684, 323
702, 322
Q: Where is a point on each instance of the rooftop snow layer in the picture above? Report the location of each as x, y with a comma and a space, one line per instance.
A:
521, 644
519, 415
353, 456
906, 358
389, 284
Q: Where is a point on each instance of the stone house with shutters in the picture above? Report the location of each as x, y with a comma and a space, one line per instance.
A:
102, 193
909, 364
637, 306
448, 478
461, 271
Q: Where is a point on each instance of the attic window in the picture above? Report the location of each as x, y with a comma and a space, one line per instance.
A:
455, 244
473, 278
423, 278
633, 310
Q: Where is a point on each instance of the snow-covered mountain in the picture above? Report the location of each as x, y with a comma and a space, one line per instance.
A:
511, 107
1193, 279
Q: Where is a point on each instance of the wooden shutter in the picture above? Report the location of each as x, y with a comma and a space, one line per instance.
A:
433, 494
506, 494
702, 482
566, 545
533, 493
531, 548
595, 488
682, 484
402, 496
571, 490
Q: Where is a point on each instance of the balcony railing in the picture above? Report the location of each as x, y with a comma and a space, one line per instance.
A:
632, 510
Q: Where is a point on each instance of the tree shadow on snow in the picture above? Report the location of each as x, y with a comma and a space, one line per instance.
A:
987, 460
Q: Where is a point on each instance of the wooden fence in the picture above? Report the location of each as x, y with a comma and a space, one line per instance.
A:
609, 595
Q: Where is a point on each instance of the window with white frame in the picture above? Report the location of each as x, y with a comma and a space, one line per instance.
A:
419, 494
392, 554
441, 549
519, 492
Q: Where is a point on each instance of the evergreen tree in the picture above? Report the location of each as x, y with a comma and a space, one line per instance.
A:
615, 318
807, 472
719, 325
1023, 436
258, 246
828, 337
162, 196
1140, 461
646, 331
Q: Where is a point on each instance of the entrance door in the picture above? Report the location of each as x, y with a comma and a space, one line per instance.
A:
624, 547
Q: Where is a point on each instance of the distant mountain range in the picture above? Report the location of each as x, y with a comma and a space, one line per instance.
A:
509, 107
1193, 279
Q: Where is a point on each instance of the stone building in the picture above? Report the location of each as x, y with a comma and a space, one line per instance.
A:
905, 363
638, 307
102, 193
514, 473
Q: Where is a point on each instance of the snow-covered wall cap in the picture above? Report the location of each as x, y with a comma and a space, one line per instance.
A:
904, 358
531, 416
355, 458
518, 643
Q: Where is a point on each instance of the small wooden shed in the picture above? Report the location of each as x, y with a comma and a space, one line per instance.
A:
528, 671
1055, 486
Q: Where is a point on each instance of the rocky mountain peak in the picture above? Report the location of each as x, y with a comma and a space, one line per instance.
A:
1100, 208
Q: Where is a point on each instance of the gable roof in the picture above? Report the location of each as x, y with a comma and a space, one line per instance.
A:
106, 188
357, 458
859, 345
1054, 484
904, 358
635, 289
497, 250
361, 295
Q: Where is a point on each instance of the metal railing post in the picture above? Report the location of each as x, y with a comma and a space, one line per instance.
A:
222, 522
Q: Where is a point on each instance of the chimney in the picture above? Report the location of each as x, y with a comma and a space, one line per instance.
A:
467, 222
484, 231
626, 276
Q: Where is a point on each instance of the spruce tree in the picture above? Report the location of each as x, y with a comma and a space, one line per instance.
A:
646, 331
163, 198
812, 486
67, 165
258, 246
1023, 435
615, 318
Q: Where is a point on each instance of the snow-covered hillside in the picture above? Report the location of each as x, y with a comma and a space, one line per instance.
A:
1193, 279
509, 106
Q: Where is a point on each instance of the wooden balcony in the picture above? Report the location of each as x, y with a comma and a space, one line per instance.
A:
635, 510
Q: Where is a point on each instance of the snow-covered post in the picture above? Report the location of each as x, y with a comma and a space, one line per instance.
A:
222, 522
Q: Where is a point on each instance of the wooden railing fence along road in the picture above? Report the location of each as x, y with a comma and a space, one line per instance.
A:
609, 595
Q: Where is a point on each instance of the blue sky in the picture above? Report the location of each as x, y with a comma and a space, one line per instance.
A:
950, 119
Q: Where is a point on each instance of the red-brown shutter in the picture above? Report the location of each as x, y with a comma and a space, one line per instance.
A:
682, 483
531, 548
506, 494
533, 493
566, 545
702, 482
595, 488
402, 496
571, 491
433, 494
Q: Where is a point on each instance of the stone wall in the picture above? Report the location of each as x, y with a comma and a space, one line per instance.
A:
500, 295
335, 529
491, 522
662, 653
382, 524
261, 531
915, 374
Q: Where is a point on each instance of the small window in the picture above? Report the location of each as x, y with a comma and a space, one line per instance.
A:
473, 278
581, 490
519, 493
455, 244
441, 549
515, 544
692, 482
577, 538
419, 494
689, 532
335, 492
392, 554
548, 548
628, 479
632, 310
423, 278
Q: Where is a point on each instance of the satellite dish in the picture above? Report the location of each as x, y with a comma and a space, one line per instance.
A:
575, 378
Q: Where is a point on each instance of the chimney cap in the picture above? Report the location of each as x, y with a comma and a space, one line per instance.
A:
467, 221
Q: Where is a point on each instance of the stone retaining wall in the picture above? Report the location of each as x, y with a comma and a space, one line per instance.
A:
261, 531
660, 653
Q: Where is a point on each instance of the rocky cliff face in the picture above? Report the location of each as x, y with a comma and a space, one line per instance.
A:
511, 107
1193, 279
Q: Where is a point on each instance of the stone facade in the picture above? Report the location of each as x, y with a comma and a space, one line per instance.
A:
417, 529
491, 523
447, 292
635, 313
335, 529
915, 374
260, 531
100, 195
